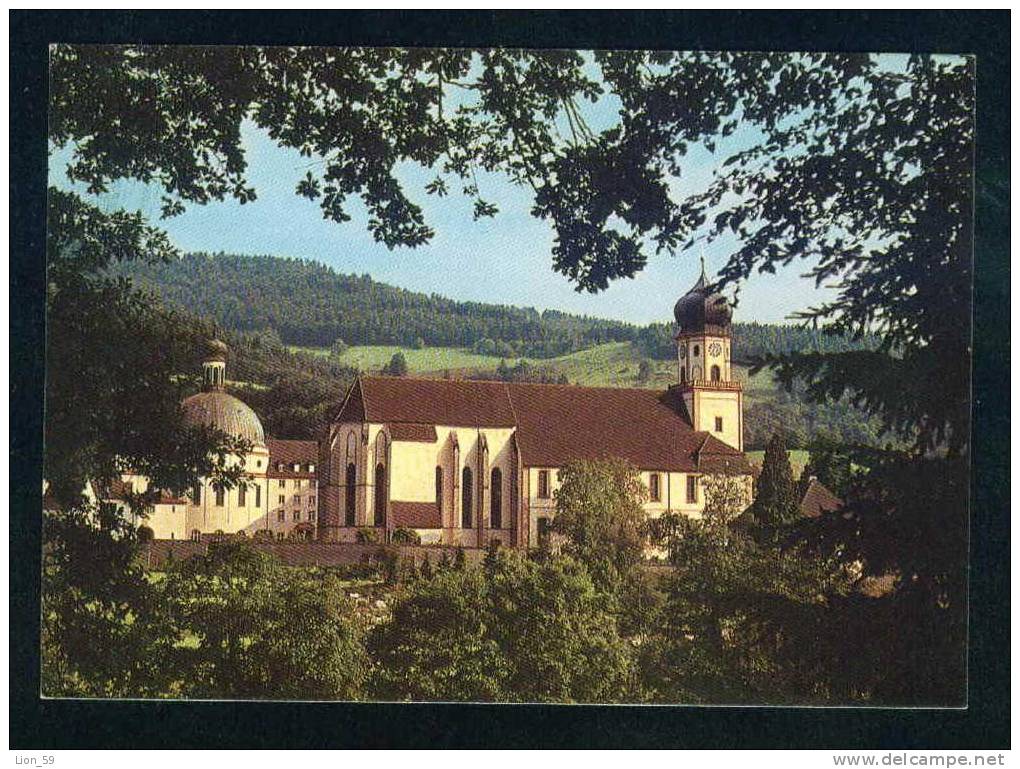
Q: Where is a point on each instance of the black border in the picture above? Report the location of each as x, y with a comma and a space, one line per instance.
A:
36, 723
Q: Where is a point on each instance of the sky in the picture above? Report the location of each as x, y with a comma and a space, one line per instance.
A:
503, 260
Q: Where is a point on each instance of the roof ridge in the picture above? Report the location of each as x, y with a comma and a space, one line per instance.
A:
364, 398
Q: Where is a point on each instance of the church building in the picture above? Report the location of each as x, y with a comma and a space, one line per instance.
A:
469, 462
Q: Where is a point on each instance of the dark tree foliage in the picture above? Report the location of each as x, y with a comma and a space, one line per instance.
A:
743, 622
114, 360
832, 463
103, 630
776, 504
261, 630
513, 630
397, 365
309, 304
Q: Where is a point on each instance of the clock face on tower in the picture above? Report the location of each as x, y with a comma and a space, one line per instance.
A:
715, 348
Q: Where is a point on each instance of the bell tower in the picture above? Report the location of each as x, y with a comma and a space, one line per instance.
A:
713, 398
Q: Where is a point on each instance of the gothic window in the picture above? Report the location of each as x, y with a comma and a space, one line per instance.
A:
654, 492
196, 494
439, 489
258, 496
692, 489
496, 513
219, 497
380, 494
543, 484
466, 500
349, 500
242, 495
715, 374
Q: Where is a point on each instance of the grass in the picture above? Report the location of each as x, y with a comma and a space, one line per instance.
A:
614, 364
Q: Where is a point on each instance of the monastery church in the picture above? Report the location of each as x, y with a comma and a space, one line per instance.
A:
467, 462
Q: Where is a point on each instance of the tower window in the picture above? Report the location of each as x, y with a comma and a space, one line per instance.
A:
718, 424
654, 490
715, 374
543, 484
697, 350
466, 499
692, 489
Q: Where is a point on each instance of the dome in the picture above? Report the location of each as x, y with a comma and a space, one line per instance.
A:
699, 310
226, 413
215, 349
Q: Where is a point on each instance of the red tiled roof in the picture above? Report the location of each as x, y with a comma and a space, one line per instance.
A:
428, 401
649, 428
412, 431
291, 452
415, 515
555, 423
818, 499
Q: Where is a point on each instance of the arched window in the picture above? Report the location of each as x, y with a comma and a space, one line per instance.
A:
466, 498
496, 513
697, 350
439, 490
715, 374
349, 500
380, 494
219, 497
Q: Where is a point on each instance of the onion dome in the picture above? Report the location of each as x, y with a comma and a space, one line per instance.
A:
700, 310
224, 412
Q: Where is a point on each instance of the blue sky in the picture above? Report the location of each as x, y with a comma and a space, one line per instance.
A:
504, 260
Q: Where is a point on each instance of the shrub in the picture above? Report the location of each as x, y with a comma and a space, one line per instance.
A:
367, 536
404, 536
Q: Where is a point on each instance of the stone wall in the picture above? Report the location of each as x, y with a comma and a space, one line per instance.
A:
155, 553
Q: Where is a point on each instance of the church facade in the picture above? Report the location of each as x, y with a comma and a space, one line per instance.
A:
470, 462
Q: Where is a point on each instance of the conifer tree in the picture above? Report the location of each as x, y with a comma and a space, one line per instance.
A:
776, 501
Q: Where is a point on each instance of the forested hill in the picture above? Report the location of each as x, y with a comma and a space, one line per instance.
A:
309, 304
